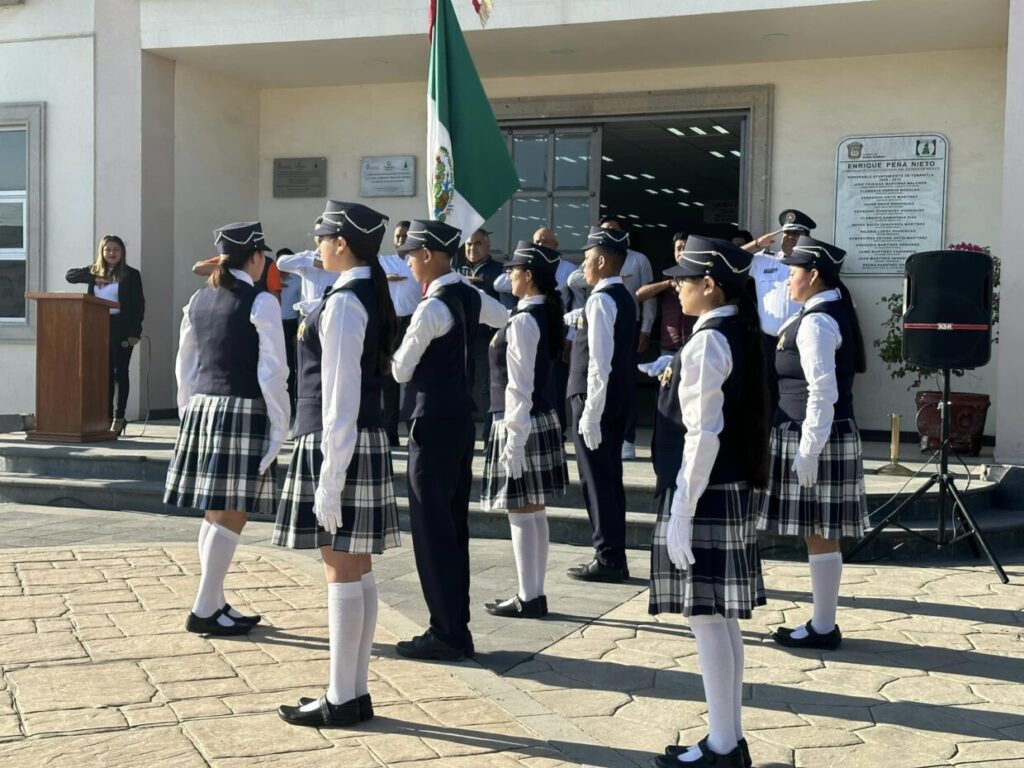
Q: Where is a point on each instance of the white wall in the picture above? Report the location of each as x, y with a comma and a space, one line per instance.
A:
57, 72
46, 18
216, 141
817, 103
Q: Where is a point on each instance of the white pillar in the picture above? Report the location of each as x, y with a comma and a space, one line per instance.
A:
1010, 425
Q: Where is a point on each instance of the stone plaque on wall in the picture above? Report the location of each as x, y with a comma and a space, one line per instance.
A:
890, 199
300, 177
387, 176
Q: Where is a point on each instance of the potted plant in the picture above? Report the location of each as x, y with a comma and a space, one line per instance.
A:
968, 410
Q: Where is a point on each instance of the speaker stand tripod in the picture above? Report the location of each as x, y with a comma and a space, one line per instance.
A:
961, 515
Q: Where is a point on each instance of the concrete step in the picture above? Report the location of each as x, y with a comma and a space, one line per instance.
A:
568, 525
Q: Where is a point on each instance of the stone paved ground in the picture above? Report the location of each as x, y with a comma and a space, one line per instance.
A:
97, 670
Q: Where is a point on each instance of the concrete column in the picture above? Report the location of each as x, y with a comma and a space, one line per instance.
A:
1010, 425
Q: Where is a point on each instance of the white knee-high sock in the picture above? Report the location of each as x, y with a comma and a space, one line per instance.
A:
717, 669
218, 549
345, 629
736, 640
204, 531
540, 522
366, 639
826, 574
524, 549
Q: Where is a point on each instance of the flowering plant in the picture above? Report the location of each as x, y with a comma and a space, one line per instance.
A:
890, 346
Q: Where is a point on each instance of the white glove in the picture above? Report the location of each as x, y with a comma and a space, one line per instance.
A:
678, 538
276, 441
513, 461
591, 431
655, 369
327, 508
572, 318
806, 468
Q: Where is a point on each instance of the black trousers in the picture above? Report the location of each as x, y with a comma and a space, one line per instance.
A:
291, 328
440, 478
768, 344
557, 384
601, 477
391, 389
119, 361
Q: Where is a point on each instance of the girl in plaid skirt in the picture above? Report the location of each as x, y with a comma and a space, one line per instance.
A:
704, 558
232, 373
338, 494
525, 459
816, 484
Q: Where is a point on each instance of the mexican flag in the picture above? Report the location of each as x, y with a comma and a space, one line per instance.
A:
469, 172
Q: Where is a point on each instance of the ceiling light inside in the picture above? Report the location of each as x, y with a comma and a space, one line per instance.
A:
698, 204
613, 177
716, 153
651, 191
676, 131
647, 176
683, 190
666, 191
699, 131
606, 158
633, 216
630, 176
685, 205
720, 129
735, 152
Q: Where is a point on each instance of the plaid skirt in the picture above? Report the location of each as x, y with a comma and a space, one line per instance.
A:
836, 507
369, 513
546, 475
216, 461
725, 578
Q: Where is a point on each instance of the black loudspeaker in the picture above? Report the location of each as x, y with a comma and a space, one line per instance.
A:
947, 309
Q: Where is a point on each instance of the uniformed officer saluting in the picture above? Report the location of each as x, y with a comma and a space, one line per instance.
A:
338, 495
774, 304
601, 384
436, 361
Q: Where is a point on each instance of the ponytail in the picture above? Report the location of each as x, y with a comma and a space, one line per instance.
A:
388, 338
555, 310
860, 363
221, 277
754, 397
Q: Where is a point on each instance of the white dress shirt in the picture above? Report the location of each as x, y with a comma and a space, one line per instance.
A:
636, 272
109, 292
342, 331
432, 319
601, 313
405, 294
523, 337
291, 295
817, 341
314, 279
503, 283
773, 303
705, 363
271, 370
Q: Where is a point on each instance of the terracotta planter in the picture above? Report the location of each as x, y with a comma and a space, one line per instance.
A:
966, 421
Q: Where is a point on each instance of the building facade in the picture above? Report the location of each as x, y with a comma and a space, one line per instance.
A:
161, 119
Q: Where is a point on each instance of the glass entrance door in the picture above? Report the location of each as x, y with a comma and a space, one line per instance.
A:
559, 178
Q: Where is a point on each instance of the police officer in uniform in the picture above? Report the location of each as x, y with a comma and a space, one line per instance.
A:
435, 361
601, 385
770, 275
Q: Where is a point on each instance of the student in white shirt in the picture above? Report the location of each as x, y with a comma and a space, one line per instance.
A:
308, 266
232, 374
339, 495
525, 465
816, 486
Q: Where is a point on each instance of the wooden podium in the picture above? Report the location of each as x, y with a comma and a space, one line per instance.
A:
72, 368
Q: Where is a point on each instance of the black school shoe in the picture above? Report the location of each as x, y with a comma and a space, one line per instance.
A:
827, 642
708, 758
253, 620
210, 626
327, 715
543, 604
674, 750
365, 705
430, 647
597, 571
515, 608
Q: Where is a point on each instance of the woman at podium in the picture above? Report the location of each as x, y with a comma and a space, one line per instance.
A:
109, 277
232, 373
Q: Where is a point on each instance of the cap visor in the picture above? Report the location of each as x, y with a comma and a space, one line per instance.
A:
685, 270
797, 260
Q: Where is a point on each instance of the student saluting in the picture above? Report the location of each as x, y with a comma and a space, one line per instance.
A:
816, 487
232, 372
435, 361
525, 459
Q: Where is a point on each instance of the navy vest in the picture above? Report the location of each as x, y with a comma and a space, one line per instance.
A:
793, 383
309, 350
729, 463
498, 356
620, 381
229, 345
440, 384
